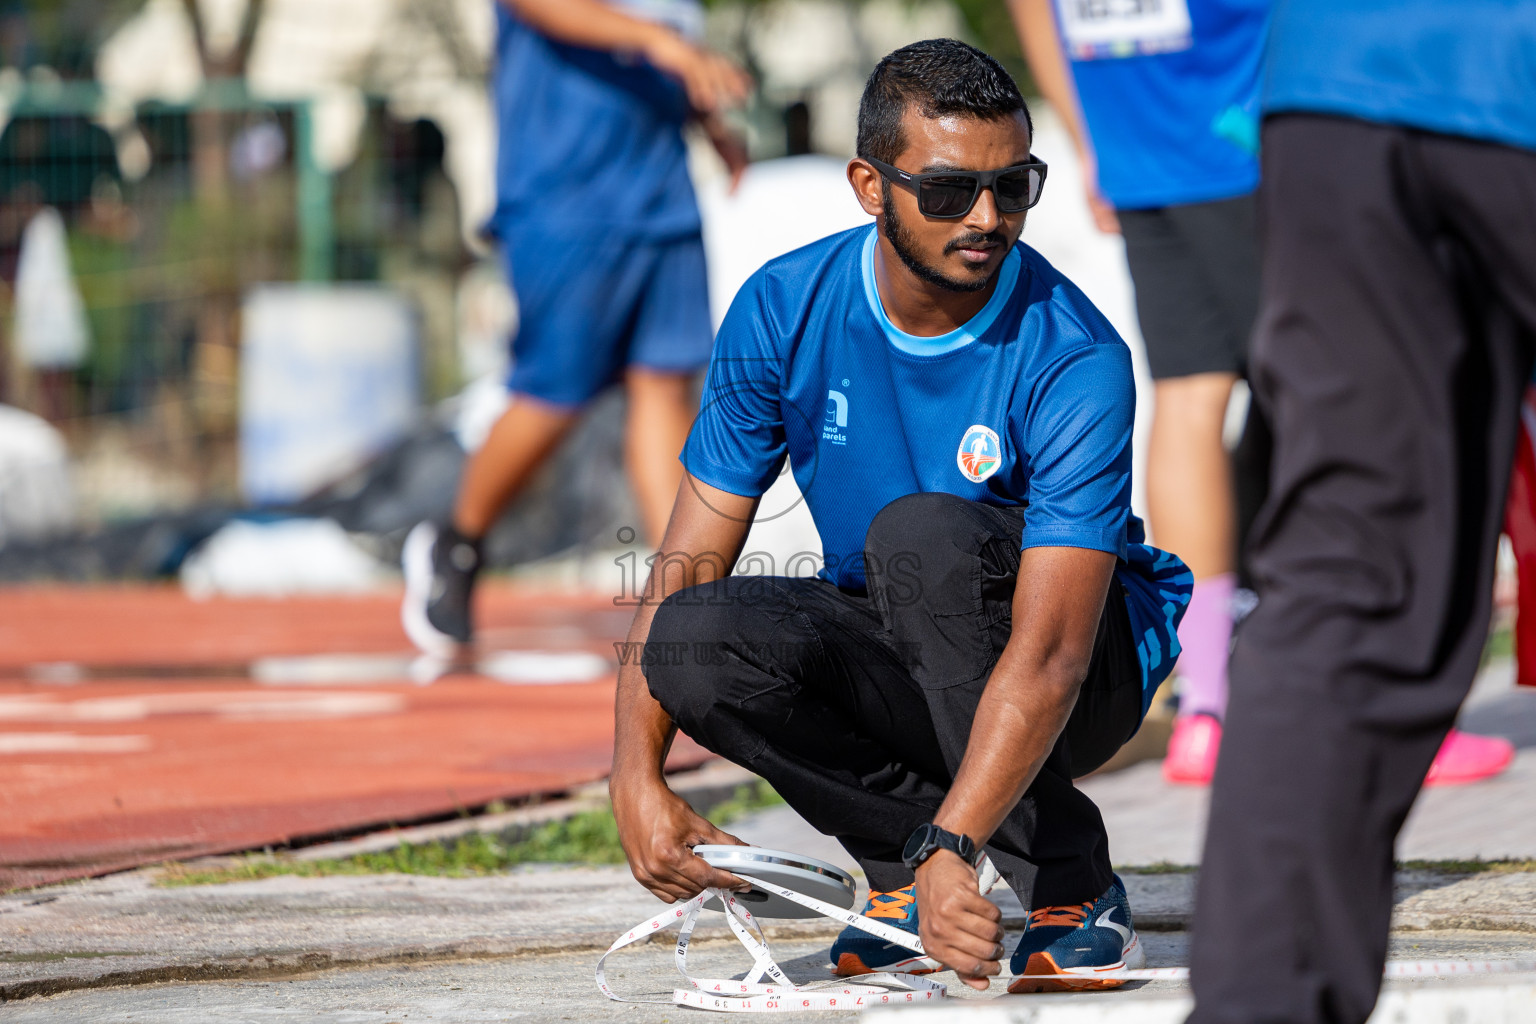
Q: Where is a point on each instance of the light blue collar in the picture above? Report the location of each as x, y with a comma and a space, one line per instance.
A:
975, 327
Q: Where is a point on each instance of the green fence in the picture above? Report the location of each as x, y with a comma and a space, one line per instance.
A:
170, 218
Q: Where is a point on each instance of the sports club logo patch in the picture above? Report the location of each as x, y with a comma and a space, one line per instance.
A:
980, 454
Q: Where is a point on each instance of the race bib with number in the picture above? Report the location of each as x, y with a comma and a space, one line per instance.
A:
1100, 29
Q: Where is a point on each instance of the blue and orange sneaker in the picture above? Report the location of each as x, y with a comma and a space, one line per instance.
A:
1082, 940
858, 952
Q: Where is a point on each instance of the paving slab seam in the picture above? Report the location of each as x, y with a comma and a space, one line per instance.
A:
297, 963
1464, 923
301, 964
284, 965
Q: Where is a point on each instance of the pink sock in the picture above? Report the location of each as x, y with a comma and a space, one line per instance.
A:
1206, 638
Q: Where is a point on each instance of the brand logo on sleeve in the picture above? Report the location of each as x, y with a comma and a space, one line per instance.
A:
980, 454
835, 427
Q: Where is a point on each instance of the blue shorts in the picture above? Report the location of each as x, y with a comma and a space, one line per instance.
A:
587, 311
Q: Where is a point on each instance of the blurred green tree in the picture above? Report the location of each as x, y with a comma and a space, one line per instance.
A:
59, 34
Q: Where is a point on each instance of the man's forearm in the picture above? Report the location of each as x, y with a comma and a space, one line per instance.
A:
711, 81
643, 732
1058, 601
703, 540
656, 827
1020, 716
587, 23
1038, 38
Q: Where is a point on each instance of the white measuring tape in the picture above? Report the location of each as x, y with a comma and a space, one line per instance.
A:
752, 994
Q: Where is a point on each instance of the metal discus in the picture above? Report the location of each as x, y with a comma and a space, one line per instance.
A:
805, 875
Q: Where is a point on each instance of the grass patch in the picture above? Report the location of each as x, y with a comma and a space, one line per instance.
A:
746, 800
1162, 867
1500, 644
590, 837
1469, 867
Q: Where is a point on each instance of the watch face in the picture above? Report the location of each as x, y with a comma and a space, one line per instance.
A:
919, 841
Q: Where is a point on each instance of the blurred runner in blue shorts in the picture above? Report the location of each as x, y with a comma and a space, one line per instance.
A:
1161, 102
601, 235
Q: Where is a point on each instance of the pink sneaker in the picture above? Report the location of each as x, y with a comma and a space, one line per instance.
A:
1192, 750
1465, 758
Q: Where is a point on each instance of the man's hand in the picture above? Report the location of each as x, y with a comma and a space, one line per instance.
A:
657, 829
1102, 210
712, 82
730, 145
960, 928
1040, 43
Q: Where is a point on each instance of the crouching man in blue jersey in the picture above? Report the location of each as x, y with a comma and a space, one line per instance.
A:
989, 625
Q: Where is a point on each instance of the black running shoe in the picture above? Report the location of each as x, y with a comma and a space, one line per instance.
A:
440, 567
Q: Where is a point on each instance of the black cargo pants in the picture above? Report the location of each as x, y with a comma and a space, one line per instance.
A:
857, 707
1394, 342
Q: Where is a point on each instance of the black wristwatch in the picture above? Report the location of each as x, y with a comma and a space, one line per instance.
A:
928, 839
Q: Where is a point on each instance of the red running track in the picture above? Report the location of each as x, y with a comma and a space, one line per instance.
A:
133, 730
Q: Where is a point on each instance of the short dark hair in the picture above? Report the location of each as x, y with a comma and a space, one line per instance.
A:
940, 76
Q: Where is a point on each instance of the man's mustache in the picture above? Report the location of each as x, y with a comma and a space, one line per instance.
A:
976, 240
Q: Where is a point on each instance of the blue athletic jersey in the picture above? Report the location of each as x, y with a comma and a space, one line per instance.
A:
589, 141
1030, 403
1466, 68
1170, 95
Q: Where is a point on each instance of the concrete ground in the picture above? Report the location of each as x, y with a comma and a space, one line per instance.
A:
1151, 822
375, 949
556, 987
551, 988
392, 948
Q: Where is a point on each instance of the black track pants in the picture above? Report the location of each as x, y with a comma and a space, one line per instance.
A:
1393, 345
857, 708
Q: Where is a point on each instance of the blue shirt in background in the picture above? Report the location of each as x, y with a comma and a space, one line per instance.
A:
1169, 92
1465, 68
1028, 404
588, 140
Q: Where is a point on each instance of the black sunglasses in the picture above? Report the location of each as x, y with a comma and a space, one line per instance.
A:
946, 195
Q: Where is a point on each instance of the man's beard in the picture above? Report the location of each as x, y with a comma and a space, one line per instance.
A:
906, 248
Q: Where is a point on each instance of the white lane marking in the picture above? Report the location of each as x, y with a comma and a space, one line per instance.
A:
238, 705
315, 705
545, 668
69, 743
331, 669
517, 667
56, 673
